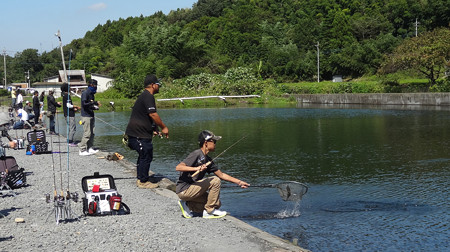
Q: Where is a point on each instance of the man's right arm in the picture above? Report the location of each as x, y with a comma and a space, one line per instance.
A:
156, 119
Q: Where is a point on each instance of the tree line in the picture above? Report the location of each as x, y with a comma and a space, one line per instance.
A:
276, 39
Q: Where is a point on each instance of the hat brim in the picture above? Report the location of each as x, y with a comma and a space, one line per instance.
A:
216, 138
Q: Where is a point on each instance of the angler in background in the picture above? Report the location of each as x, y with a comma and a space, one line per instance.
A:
144, 121
29, 110
69, 109
19, 99
41, 101
51, 107
36, 107
23, 115
198, 194
13, 97
88, 105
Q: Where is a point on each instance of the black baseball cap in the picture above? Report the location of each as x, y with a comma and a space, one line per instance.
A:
207, 135
151, 79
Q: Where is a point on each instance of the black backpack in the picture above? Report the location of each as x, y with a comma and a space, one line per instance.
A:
11, 175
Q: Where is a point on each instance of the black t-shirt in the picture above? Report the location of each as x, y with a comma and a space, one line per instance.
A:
195, 158
141, 124
36, 103
87, 103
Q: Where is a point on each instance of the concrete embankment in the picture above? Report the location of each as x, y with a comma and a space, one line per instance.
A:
426, 99
155, 222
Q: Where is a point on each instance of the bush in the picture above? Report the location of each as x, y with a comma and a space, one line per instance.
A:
4, 92
199, 81
129, 85
111, 93
243, 74
442, 85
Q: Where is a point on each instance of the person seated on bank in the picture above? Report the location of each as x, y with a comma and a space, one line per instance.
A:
29, 110
23, 120
198, 194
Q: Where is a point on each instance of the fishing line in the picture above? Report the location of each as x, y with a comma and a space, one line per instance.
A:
123, 132
220, 154
100, 119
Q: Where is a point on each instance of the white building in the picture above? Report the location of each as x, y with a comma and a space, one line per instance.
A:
103, 82
77, 82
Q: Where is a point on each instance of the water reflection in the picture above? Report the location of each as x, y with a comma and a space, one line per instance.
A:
377, 177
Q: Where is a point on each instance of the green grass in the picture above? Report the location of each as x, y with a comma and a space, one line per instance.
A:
272, 94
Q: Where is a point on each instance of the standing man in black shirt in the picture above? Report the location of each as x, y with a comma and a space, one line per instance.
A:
51, 107
36, 107
88, 105
144, 121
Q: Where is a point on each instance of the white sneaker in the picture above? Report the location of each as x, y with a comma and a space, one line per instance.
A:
185, 209
92, 151
85, 153
216, 213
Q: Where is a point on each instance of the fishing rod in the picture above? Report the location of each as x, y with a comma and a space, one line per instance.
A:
220, 154
61, 204
60, 161
67, 129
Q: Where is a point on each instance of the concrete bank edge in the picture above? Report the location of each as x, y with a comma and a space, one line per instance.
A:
425, 99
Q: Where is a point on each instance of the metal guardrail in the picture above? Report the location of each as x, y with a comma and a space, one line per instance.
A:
222, 97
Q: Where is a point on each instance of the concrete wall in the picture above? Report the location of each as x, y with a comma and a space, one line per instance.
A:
430, 99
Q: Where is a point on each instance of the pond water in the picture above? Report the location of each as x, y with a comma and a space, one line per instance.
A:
378, 177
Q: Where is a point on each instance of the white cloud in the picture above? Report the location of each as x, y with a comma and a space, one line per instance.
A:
97, 7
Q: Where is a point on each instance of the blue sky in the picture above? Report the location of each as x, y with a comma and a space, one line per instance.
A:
32, 23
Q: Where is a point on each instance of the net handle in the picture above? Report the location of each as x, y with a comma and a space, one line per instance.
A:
278, 186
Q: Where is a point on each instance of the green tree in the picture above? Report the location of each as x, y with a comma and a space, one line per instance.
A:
428, 53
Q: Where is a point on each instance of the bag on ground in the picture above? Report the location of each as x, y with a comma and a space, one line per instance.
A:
37, 141
11, 174
101, 196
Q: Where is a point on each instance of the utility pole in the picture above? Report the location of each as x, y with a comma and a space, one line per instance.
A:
417, 24
318, 62
4, 67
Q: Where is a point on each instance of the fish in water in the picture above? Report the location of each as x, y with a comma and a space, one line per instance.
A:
288, 190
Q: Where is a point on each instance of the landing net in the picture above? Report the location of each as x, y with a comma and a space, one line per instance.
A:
292, 190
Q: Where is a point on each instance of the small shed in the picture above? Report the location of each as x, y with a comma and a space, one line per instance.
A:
337, 78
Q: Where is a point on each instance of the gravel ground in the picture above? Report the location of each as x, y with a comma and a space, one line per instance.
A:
155, 222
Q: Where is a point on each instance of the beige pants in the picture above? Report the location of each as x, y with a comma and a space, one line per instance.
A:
87, 141
203, 195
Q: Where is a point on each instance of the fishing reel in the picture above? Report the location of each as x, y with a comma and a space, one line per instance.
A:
61, 206
72, 196
69, 196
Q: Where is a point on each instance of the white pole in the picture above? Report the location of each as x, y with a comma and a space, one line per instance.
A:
4, 63
58, 34
318, 62
28, 79
417, 24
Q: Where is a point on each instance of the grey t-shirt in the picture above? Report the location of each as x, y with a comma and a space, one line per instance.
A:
194, 159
